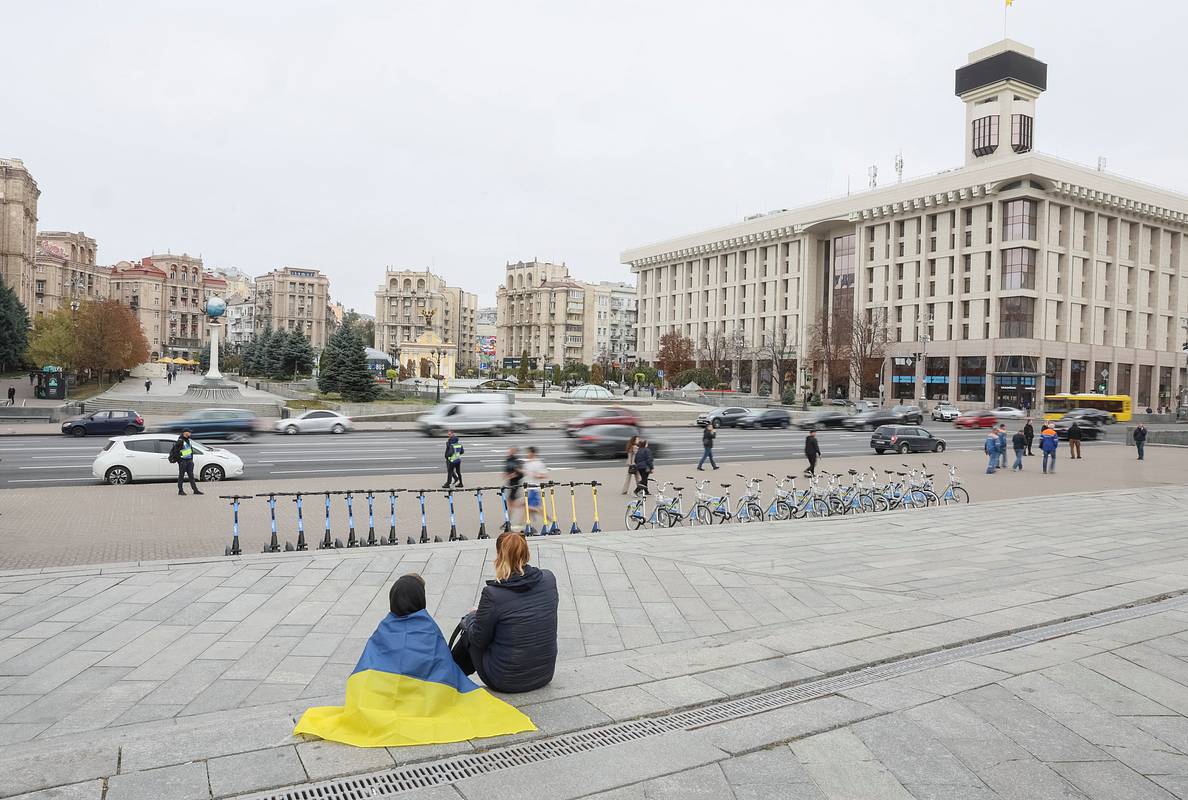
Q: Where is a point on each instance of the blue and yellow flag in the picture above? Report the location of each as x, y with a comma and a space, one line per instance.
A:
407, 690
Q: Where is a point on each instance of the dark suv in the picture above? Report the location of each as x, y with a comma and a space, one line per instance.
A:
909, 415
215, 423
98, 423
905, 439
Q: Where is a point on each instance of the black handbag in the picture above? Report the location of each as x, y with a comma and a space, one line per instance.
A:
460, 650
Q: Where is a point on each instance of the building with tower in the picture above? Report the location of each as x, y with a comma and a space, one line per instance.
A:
18, 229
1013, 276
414, 305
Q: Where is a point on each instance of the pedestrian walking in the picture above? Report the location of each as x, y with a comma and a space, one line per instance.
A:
1049, 441
1074, 440
991, 448
708, 434
148, 385
453, 457
12, 395
536, 474
1019, 443
812, 451
644, 464
1002, 446
513, 475
1140, 439
632, 477
182, 454
1029, 434
32, 377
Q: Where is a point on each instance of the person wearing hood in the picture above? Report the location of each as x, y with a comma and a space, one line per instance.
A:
511, 637
453, 457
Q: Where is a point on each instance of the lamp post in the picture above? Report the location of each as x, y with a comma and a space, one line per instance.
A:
437, 374
925, 338
544, 376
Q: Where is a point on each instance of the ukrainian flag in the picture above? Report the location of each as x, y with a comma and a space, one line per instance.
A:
407, 690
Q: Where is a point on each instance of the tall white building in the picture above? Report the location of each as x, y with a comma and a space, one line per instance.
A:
1013, 276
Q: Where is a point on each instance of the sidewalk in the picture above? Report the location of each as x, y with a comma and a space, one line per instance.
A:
183, 680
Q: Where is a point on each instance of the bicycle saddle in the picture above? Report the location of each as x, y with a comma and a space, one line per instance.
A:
724, 485
679, 488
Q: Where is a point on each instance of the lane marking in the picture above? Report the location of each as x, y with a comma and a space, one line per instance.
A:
55, 480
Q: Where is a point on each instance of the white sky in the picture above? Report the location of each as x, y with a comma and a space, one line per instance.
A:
353, 135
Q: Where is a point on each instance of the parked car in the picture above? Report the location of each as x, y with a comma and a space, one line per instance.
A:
945, 412
610, 415
822, 420
766, 418
1089, 431
1008, 412
235, 424
103, 423
1093, 415
145, 457
609, 441
865, 405
869, 420
905, 439
909, 415
315, 421
473, 413
724, 417
976, 419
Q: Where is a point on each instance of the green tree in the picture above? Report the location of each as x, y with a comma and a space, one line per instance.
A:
522, 375
14, 328
53, 341
257, 366
246, 354
365, 328
330, 368
274, 357
356, 383
297, 357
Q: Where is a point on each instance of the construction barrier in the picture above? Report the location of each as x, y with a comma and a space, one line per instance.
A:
546, 493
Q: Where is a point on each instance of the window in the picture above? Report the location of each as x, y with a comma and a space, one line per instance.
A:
1020, 133
985, 135
843, 262
1019, 220
1018, 268
1016, 317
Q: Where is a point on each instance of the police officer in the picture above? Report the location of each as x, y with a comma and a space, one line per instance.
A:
453, 457
182, 454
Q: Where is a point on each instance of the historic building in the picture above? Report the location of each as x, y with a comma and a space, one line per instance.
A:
615, 315
65, 272
168, 293
18, 230
410, 303
294, 298
240, 319
1013, 276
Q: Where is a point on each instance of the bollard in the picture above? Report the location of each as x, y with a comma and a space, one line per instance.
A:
424, 526
573, 526
453, 524
301, 546
371, 542
326, 541
528, 529
234, 550
595, 528
482, 532
392, 520
351, 540
555, 529
273, 546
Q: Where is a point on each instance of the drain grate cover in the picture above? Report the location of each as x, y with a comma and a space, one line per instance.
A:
450, 770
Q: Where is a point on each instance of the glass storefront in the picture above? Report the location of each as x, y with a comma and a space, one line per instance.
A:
1053, 383
1101, 377
971, 379
1122, 381
1165, 387
1143, 399
936, 378
1076, 377
903, 378
1015, 379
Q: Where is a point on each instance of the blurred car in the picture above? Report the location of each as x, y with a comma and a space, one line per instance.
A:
609, 441
865, 405
725, 417
145, 457
839, 402
945, 412
1089, 431
822, 420
610, 415
235, 424
1008, 412
905, 439
473, 413
908, 415
315, 421
869, 420
1093, 415
766, 418
103, 423
976, 419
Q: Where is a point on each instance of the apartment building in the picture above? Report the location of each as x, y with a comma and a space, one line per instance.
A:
615, 312
18, 229
411, 303
167, 293
65, 272
240, 319
294, 298
1013, 276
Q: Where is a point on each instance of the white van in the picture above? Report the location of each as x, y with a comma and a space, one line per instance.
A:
473, 413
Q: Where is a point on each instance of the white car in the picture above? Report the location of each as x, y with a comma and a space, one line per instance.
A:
945, 412
317, 421
1008, 412
145, 457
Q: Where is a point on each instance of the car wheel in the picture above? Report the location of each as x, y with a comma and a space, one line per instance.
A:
903, 449
879, 450
129, 430
118, 476
237, 437
940, 447
339, 428
291, 430
78, 431
211, 473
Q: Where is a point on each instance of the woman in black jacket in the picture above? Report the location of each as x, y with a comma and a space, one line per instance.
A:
512, 635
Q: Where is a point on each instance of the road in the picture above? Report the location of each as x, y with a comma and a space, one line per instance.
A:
48, 461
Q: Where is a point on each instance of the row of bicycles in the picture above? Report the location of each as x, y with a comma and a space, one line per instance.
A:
827, 494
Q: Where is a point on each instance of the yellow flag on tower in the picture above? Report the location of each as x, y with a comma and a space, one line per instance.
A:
1010, 3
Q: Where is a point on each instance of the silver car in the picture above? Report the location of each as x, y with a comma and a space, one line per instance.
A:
316, 421
945, 412
1008, 412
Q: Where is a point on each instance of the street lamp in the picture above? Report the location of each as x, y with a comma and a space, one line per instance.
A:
925, 338
544, 376
437, 376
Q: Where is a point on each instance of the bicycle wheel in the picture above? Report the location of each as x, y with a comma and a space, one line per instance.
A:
958, 495
866, 504
836, 506
662, 519
782, 511
701, 515
931, 497
818, 509
754, 513
881, 503
633, 518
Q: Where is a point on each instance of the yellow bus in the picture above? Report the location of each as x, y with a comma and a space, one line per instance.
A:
1057, 405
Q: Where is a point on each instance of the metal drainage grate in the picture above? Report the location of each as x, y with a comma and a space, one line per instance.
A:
456, 768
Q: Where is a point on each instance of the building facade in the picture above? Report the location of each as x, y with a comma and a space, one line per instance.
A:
615, 315
240, 318
168, 294
1014, 276
410, 303
294, 298
66, 272
18, 229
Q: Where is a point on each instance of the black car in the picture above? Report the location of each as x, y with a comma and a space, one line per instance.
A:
609, 441
909, 415
1093, 415
822, 420
725, 417
215, 423
905, 439
99, 423
1089, 431
869, 420
766, 418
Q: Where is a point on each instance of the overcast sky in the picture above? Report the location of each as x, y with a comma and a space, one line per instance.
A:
351, 136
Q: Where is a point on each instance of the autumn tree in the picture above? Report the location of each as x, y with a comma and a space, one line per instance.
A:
53, 341
779, 352
109, 338
596, 375
868, 339
675, 354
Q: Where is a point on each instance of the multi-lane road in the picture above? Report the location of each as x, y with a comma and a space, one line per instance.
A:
50, 461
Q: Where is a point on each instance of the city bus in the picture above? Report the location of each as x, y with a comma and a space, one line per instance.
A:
1057, 405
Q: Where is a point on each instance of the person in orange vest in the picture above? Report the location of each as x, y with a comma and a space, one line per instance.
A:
1049, 441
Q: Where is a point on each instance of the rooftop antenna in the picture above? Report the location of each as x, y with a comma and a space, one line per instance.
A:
899, 167
873, 172
1101, 163
847, 186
